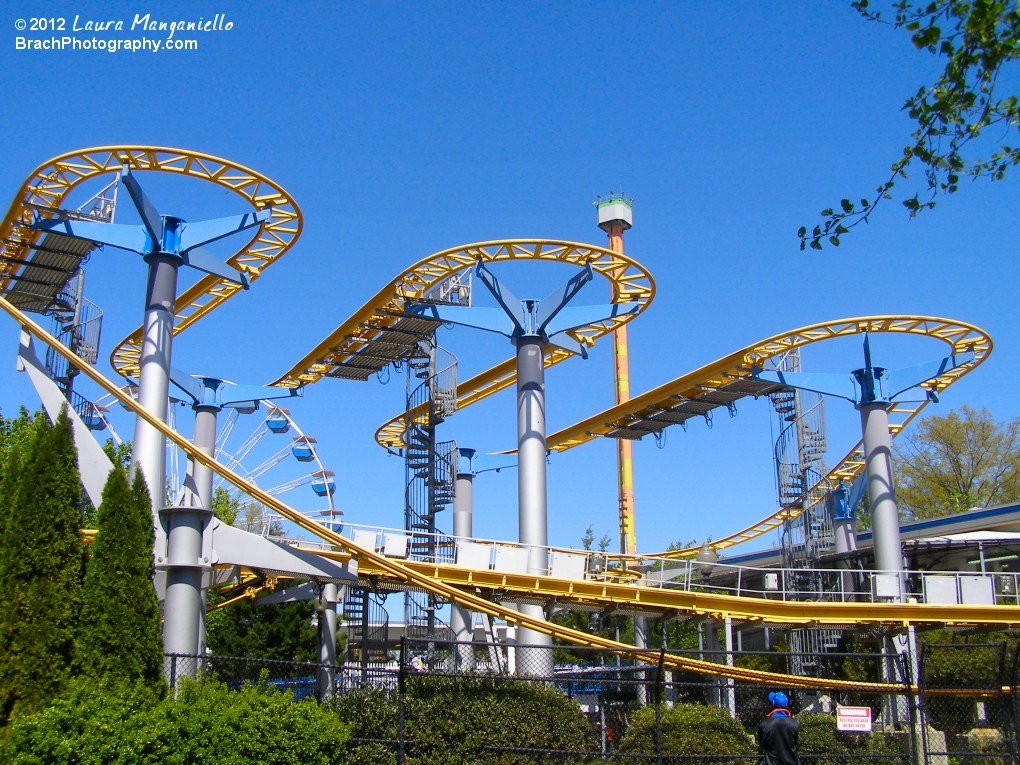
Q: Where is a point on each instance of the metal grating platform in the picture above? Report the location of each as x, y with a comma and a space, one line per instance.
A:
380, 341
49, 266
676, 410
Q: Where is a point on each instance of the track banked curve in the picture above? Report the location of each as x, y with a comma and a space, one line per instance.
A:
432, 584
50, 183
629, 280
704, 381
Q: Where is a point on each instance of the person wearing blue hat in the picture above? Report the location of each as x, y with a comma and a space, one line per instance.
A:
778, 733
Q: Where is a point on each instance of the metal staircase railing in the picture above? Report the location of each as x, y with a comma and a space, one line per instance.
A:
368, 627
430, 470
799, 454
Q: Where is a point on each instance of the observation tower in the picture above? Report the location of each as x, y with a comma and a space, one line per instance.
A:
615, 216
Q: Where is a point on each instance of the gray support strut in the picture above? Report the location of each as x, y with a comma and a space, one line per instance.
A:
149, 448
184, 568
205, 442
885, 519
327, 640
640, 628
199, 484
462, 620
531, 488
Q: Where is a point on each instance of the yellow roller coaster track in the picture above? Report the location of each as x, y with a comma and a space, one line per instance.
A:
705, 381
49, 184
631, 282
434, 583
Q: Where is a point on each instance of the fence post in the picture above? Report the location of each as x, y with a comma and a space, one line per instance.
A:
658, 706
909, 660
401, 688
173, 673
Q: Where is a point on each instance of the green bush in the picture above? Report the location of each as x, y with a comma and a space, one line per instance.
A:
818, 735
690, 729
449, 721
93, 724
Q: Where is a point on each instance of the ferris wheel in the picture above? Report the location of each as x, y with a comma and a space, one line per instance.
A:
261, 458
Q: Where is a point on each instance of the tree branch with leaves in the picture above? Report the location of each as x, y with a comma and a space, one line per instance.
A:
979, 40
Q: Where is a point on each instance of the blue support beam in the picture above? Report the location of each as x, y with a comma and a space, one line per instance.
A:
162, 234
870, 383
219, 394
549, 319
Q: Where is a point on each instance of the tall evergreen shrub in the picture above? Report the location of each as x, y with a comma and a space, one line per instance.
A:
40, 574
119, 635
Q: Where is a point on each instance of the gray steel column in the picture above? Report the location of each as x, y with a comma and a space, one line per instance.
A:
149, 447
462, 620
198, 494
327, 640
845, 532
531, 495
731, 691
885, 519
205, 441
184, 566
640, 626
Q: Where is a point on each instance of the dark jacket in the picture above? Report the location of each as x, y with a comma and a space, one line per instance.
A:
777, 737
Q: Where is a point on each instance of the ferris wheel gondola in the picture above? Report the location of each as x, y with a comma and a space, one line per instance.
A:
300, 447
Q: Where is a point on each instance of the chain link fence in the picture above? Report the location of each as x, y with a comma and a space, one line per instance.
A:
443, 702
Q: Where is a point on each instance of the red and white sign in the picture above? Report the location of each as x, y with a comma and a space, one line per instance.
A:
853, 719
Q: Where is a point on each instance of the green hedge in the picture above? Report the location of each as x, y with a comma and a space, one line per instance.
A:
205, 725
690, 729
818, 735
449, 721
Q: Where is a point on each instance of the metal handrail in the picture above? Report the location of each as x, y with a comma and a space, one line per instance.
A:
826, 584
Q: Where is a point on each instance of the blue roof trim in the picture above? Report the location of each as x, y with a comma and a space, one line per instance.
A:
945, 522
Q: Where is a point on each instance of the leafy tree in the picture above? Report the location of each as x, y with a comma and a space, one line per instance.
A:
119, 635
979, 41
40, 574
19, 432
16, 437
280, 631
119, 454
225, 507
958, 461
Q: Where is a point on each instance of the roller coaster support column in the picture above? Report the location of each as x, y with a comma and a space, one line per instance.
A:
841, 503
462, 620
208, 395
873, 391
885, 518
531, 325
149, 446
531, 490
326, 607
165, 243
640, 629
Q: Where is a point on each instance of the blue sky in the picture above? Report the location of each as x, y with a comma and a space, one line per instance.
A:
404, 129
